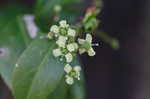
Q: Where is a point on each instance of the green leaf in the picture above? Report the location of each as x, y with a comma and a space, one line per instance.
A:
37, 72
61, 92
11, 46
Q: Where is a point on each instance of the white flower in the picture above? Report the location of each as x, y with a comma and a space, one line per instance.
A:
71, 47
61, 42
63, 24
88, 43
69, 80
57, 52
67, 68
71, 32
72, 73
69, 57
54, 29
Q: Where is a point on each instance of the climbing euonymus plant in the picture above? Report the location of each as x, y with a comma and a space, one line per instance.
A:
40, 47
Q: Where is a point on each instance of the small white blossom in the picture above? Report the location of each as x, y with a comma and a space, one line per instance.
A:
63, 24
72, 73
87, 41
71, 32
57, 52
69, 80
67, 68
54, 29
71, 47
69, 57
61, 42
76, 46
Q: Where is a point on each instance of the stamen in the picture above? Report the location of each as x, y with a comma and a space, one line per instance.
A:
95, 44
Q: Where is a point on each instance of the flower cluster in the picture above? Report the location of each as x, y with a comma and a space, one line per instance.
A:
67, 47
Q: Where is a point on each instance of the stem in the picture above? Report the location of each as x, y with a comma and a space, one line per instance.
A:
113, 42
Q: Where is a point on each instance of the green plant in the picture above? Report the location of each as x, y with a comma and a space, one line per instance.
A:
33, 58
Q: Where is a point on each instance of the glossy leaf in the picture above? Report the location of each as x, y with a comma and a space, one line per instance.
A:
37, 72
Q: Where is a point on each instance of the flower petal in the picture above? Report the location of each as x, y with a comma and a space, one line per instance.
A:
76, 46
91, 52
54, 29
81, 41
69, 80
71, 47
71, 32
89, 38
57, 52
61, 41
77, 68
69, 57
82, 50
63, 24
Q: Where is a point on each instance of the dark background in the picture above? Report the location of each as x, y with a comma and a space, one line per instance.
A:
122, 74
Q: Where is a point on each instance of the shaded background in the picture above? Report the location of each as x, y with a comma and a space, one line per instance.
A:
123, 74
